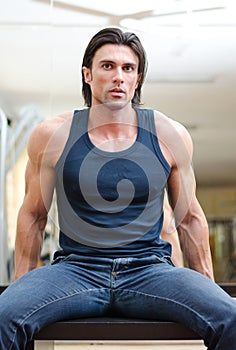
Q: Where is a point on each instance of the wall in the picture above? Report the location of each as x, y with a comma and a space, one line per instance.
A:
218, 202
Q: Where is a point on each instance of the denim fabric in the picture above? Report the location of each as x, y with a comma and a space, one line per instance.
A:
148, 287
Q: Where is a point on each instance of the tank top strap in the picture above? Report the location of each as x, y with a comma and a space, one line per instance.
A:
146, 120
77, 130
79, 124
146, 123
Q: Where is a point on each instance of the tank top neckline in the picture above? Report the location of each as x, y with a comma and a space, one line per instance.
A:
123, 152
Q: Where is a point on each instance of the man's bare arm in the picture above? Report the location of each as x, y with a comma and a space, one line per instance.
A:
190, 220
32, 217
170, 234
194, 239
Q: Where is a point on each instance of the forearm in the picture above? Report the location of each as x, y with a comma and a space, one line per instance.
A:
194, 239
29, 241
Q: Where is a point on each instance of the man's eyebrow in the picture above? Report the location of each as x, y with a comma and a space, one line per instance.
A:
124, 64
106, 61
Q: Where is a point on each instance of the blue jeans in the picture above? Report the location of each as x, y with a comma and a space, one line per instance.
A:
150, 287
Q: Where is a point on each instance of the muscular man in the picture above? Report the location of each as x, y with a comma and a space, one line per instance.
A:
110, 164
170, 234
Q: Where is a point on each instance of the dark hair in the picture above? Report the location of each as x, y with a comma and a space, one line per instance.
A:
118, 37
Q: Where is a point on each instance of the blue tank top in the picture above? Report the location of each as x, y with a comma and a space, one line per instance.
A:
110, 204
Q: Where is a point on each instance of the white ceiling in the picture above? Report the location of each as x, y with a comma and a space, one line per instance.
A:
191, 48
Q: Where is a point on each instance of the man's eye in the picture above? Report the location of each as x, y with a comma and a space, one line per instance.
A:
128, 68
107, 65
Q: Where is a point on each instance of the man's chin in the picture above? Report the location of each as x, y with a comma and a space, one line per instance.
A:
115, 105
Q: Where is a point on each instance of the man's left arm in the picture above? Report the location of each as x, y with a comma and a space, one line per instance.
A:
190, 219
194, 239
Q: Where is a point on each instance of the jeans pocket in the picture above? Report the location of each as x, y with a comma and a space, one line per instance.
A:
60, 259
166, 259
169, 260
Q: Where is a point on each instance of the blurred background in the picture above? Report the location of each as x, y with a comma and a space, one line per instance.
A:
191, 49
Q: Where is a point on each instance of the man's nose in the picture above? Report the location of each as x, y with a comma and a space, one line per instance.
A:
118, 77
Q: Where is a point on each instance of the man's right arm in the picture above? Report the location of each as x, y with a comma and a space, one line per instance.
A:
32, 217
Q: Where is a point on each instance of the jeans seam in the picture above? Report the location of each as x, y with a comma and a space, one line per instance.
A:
51, 302
172, 301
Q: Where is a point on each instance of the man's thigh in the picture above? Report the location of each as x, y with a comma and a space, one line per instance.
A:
163, 292
55, 292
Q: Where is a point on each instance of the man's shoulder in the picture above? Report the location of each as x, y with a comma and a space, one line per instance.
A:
173, 135
50, 126
50, 133
60, 120
167, 125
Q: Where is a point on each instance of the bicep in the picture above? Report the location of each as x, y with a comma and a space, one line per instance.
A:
176, 145
39, 186
181, 182
181, 191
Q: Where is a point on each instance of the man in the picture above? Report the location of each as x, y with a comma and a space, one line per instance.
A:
110, 164
170, 234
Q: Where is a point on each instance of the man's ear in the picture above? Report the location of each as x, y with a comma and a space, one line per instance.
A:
87, 74
138, 80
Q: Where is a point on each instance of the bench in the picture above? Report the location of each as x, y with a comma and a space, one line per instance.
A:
113, 329
118, 329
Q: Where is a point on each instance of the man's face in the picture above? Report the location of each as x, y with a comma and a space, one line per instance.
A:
114, 75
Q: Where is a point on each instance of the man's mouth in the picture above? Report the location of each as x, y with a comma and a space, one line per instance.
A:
117, 91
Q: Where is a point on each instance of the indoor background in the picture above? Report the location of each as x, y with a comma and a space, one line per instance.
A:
191, 49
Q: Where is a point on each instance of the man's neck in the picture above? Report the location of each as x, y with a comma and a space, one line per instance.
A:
104, 117
112, 126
